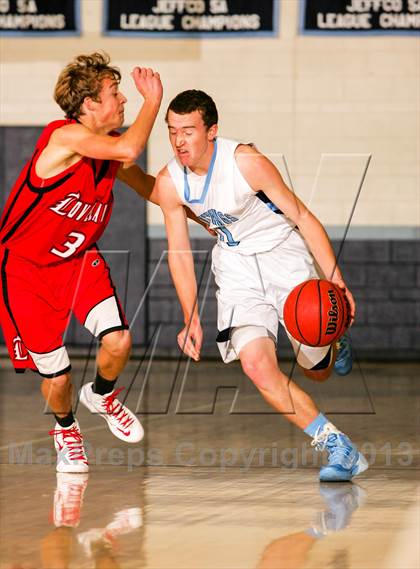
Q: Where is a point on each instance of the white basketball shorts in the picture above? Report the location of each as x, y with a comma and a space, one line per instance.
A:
252, 290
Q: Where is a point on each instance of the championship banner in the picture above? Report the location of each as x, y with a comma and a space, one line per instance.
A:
39, 17
360, 16
191, 18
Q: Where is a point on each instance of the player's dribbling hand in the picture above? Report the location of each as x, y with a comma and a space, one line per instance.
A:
342, 285
190, 339
148, 83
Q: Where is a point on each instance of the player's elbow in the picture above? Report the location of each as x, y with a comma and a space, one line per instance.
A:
128, 151
305, 219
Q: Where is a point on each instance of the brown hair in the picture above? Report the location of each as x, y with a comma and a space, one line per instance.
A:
82, 78
195, 100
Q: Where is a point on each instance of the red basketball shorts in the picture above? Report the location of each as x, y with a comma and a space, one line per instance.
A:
36, 304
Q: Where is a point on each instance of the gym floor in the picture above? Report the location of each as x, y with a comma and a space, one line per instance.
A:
219, 480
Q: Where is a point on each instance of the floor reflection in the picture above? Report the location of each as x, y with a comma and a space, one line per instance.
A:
292, 551
97, 545
180, 518
269, 514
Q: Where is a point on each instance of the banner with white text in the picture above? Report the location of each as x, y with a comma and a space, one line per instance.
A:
360, 17
39, 17
191, 18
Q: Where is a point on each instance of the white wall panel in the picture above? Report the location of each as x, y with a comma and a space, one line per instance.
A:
298, 95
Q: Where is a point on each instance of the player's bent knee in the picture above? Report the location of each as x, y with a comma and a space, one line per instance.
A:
118, 343
60, 382
321, 375
322, 370
260, 370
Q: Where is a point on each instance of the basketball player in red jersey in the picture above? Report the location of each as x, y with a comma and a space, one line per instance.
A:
50, 265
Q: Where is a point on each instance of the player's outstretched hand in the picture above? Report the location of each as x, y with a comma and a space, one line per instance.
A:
148, 83
190, 339
341, 284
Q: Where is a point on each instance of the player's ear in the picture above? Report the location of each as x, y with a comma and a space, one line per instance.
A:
212, 132
88, 104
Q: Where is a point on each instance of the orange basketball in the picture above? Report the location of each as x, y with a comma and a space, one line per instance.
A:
316, 312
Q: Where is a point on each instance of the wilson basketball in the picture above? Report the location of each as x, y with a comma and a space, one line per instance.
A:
316, 312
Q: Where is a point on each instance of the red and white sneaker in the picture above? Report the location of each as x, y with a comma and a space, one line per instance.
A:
68, 442
121, 421
68, 499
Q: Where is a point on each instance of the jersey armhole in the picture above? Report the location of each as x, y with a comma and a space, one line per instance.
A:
37, 184
41, 185
251, 192
177, 176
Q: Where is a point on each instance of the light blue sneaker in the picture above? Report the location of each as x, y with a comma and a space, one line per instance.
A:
344, 460
344, 359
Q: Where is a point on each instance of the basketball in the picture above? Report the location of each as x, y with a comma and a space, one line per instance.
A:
316, 312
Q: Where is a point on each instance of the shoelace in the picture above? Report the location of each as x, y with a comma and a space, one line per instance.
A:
70, 498
75, 494
75, 446
116, 409
331, 439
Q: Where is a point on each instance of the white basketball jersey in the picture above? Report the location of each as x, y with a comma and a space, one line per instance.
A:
246, 221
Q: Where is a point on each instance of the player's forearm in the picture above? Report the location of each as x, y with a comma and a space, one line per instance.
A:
181, 266
142, 183
144, 188
191, 215
320, 246
135, 138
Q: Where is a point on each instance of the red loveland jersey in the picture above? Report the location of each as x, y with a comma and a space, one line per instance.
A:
56, 219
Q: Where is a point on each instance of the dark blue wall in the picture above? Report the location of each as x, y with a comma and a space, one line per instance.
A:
384, 276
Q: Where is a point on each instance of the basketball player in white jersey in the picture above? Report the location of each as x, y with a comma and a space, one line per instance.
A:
267, 243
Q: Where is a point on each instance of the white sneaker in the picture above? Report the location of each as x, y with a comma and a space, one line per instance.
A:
121, 421
68, 442
68, 499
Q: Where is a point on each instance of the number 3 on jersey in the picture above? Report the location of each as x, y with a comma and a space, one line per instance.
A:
71, 246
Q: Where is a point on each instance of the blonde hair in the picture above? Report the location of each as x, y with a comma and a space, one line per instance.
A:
82, 78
